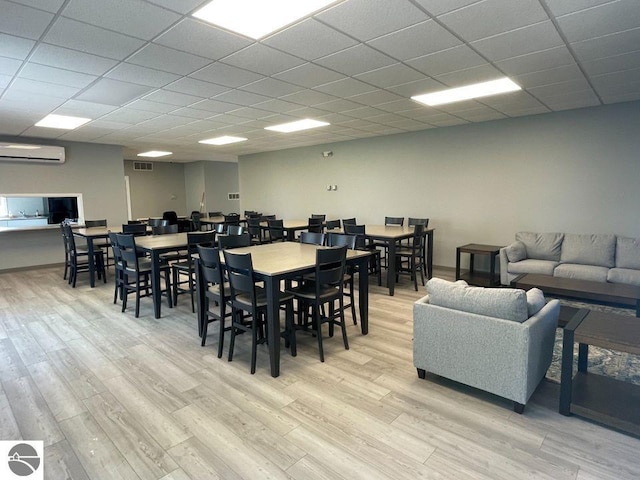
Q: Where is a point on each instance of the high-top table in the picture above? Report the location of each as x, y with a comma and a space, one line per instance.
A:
290, 227
90, 234
275, 262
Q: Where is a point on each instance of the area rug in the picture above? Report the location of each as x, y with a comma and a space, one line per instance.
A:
623, 366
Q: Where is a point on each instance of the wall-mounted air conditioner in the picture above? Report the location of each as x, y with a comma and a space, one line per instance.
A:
28, 153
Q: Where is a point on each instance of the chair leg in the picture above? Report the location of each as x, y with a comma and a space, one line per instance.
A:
518, 407
343, 325
353, 302
232, 342
221, 337
254, 344
316, 315
137, 297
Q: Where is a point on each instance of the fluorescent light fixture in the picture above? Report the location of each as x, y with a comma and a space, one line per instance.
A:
154, 153
224, 140
22, 147
477, 90
62, 121
297, 125
257, 18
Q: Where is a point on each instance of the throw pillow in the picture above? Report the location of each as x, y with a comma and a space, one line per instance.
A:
535, 301
516, 251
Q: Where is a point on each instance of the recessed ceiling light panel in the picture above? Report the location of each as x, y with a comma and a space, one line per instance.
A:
297, 125
224, 140
62, 121
154, 153
477, 90
257, 18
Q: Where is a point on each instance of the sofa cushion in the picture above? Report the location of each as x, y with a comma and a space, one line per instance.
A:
624, 275
535, 301
628, 252
516, 251
544, 267
505, 303
581, 272
541, 246
597, 249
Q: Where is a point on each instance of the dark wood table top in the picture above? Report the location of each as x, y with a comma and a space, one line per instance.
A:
610, 330
479, 248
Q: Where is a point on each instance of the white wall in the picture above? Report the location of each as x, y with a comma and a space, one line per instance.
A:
221, 178
576, 171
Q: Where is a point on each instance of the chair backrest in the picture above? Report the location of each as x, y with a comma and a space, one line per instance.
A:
416, 221
232, 219
313, 238
137, 229
239, 268
157, 222
115, 249
340, 239
127, 245
359, 232
95, 223
319, 215
315, 224
69, 239
220, 228
235, 230
348, 221
330, 265
331, 224
210, 266
394, 221
195, 239
195, 220
215, 214
418, 238
276, 229
134, 222
164, 229
266, 218
234, 241
171, 216
253, 227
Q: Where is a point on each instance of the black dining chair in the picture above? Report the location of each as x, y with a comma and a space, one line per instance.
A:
319, 215
182, 271
79, 257
409, 258
164, 229
255, 231
316, 225
157, 222
137, 229
424, 221
348, 221
276, 230
235, 230
233, 241
388, 222
349, 241
362, 244
118, 265
312, 238
171, 216
333, 224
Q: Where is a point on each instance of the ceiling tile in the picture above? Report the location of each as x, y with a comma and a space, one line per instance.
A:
309, 39
172, 98
23, 21
446, 61
271, 87
155, 107
608, 45
498, 16
86, 38
48, 5
571, 99
415, 41
389, 76
226, 75
128, 72
614, 79
113, 92
477, 74
601, 20
262, 59
240, 97
438, 7
214, 106
396, 106
534, 62
357, 59
346, 87
15, 47
167, 59
308, 97
560, 89
128, 115
199, 88
43, 88
309, 75
165, 121
278, 106
192, 113
251, 113
4, 81
562, 7
183, 6
202, 39
340, 105
521, 41
417, 87
56, 75
131, 17
26, 101
60, 57
375, 98
78, 108
548, 77
615, 63
363, 112
9, 66
367, 19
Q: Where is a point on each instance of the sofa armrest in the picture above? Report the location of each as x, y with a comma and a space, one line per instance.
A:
504, 263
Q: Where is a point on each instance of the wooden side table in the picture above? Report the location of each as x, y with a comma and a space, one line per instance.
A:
473, 277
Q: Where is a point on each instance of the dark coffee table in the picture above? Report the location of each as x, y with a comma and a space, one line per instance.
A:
615, 293
603, 399
478, 278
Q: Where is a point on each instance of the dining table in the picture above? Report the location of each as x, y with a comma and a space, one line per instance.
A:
155, 246
274, 263
290, 228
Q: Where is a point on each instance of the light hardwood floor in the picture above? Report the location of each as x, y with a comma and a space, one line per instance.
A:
114, 397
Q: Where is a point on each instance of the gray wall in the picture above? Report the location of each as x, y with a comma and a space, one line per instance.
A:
154, 192
575, 171
194, 185
221, 178
94, 170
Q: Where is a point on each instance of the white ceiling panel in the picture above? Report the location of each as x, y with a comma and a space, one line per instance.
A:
58, 76
48, 5
607, 46
309, 75
438, 7
130, 116
42, 88
9, 66
156, 107
602, 20
262, 59
417, 87
240, 97
446, 61
562, 7
226, 75
192, 113
278, 106
131, 17
460, 78
357, 59
127, 72
182, 6
23, 21
341, 105
309, 97
78, 108
15, 47
172, 98
113, 92
615, 63
74, 60
498, 16
347, 87
389, 76
565, 73
375, 97
415, 41
310, 39
214, 106
87, 38
191, 86
367, 19
537, 61
4, 81
167, 59
270, 87
202, 39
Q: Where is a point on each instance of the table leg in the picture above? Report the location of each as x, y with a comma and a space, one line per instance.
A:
155, 282
458, 263
92, 262
199, 296
583, 357
492, 270
566, 372
430, 255
363, 293
272, 285
391, 267
471, 263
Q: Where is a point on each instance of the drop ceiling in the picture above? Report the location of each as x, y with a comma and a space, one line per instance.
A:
152, 77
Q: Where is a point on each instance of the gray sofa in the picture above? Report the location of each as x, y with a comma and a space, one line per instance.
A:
496, 339
596, 257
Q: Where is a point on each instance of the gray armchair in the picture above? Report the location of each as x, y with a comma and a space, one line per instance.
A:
497, 340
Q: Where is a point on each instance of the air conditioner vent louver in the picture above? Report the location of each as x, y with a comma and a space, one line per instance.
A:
28, 153
143, 166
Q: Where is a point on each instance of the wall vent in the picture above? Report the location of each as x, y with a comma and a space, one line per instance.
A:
234, 196
143, 166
